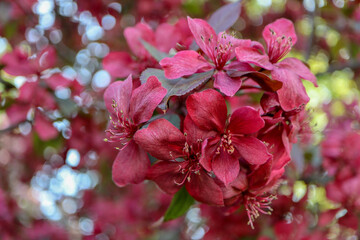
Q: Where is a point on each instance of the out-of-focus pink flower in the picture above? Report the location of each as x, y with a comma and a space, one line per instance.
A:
164, 38
31, 96
19, 63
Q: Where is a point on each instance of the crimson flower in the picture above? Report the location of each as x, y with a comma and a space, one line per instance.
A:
218, 48
129, 109
165, 142
233, 142
280, 36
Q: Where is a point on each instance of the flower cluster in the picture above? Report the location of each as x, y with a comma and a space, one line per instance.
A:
222, 156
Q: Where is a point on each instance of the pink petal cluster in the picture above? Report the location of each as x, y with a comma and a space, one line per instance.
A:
221, 159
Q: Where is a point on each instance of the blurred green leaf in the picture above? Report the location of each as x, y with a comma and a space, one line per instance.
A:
158, 55
180, 204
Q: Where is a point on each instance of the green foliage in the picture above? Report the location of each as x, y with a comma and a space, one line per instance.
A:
180, 204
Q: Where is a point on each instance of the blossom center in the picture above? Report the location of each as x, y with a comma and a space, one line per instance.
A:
255, 205
221, 52
192, 155
279, 46
226, 143
122, 128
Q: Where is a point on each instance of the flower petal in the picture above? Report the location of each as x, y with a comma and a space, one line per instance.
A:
204, 35
203, 188
195, 135
44, 127
28, 91
133, 36
208, 110
120, 93
260, 175
281, 27
17, 112
227, 85
57, 81
118, 64
245, 120
292, 94
161, 139
226, 166
130, 165
251, 54
235, 188
145, 99
165, 174
167, 36
208, 150
183, 63
252, 150
278, 145
298, 67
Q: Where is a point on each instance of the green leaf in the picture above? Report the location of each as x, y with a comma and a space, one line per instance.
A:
179, 205
158, 55
175, 87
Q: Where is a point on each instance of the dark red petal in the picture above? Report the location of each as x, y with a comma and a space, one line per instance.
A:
272, 182
245, 120
203, 188
183, 63
208, 110
119, 93
195, 135
130, 165
226, 166
145, 99
260, 175
299, 68
236, 187
118, 64
292, 94
281, 27
227, 85
166, 174
278, 145
161, 139
204, 35
208, 150
252, 150
252, 55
